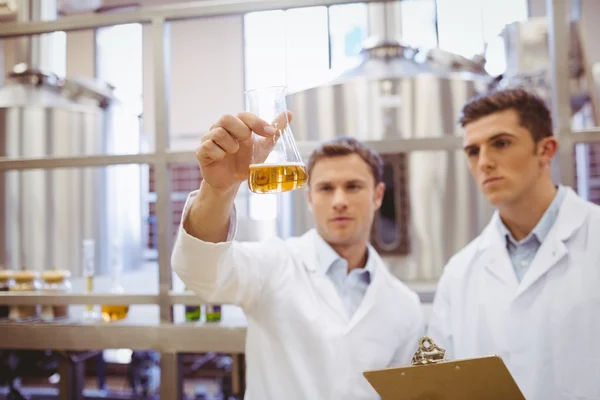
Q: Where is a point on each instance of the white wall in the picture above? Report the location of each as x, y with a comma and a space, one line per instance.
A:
207, 76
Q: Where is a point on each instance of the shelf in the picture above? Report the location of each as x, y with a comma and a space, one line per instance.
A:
21, 298
171, 338
76, 161
425, 291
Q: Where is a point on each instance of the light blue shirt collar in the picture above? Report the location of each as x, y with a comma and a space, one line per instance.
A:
327, 257
543, 226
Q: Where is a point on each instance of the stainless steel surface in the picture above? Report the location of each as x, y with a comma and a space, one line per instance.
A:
385, 20
397, 104
161, 62
381, 100
35, 50
172, 12
397, 146
46, 214
558, 11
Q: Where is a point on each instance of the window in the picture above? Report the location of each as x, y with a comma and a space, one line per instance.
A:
418, 23
466, 27
347, 30
58, 52
280, 50
119, 62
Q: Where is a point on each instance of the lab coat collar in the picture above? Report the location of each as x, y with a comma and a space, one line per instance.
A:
570, 217
304, 249
492, 246
327, 256
542, 228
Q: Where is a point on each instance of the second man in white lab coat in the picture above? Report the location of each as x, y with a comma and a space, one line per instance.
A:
322, 308
528, 288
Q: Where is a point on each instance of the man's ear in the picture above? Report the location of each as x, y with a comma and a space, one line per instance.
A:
547, 148
379, 192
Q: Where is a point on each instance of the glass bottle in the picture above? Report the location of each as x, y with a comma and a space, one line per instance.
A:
115, 312
56, 281
89, 270
6, 282
212, 312
25, 281
192, 312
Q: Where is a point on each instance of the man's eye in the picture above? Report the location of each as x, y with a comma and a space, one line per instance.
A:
501, 143
472, 152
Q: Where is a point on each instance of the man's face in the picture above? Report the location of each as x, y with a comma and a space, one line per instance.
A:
343, 198
503, 157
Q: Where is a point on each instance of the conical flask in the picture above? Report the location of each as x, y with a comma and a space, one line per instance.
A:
276, 165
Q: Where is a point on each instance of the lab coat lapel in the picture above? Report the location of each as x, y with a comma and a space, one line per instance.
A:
495, 258
323, 286
370, 297
553, 249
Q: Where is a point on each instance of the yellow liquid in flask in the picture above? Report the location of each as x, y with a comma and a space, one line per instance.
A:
276, 178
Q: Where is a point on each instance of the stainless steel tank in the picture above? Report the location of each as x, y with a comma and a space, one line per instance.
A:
46, 214
392, 95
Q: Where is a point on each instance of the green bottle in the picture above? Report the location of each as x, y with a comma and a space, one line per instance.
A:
192, 313
213, 312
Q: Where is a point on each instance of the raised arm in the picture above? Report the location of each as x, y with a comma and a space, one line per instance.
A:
205, 256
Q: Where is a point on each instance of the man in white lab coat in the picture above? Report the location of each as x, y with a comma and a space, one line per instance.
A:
322, 308
528, 288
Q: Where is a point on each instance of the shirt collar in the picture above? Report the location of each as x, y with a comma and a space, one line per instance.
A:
543, 226
326, 256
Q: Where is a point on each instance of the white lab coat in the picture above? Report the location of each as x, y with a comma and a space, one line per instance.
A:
546, 328
300, 343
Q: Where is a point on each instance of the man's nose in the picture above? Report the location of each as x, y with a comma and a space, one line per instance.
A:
486, 160
340, 200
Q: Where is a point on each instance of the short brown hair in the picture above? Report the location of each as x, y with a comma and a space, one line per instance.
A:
533, 113
343, 146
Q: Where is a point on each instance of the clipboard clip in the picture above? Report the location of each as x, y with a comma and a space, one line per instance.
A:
428, 352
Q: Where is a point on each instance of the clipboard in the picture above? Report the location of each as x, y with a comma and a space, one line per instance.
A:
432, 377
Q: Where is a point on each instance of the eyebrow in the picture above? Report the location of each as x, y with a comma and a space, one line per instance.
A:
351, 181
496, 136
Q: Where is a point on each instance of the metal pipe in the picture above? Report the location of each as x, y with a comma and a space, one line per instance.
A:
305, 147
558, 32
161, 62
35, 51
384, 20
